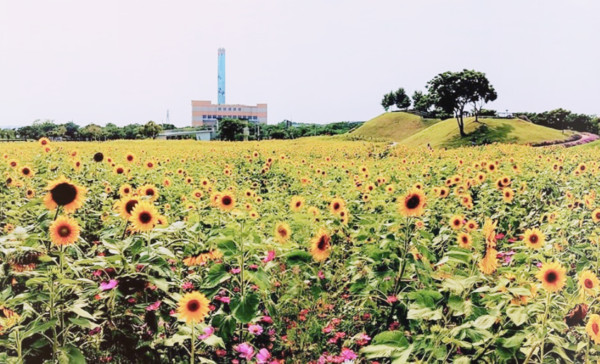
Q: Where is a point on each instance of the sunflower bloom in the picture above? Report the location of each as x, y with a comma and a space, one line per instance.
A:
64, 231
413, 203
489, 263
588, 282
297, 203
456, 222
553, 276
593, 328
282, 232
62, 192
226, 201
193, 307
320, 247
534, 238
596, 215
464, 240
143, 216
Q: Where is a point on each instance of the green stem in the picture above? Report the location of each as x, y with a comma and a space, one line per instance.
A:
19, 346
193, 345
60, 308
125, 229
544, 326
52, 314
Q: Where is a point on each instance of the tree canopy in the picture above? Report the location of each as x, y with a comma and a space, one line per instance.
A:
453, 91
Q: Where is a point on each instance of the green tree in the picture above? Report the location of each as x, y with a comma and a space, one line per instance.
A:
92, 132
453, 91
150, 129
421, 102
231, 129
401, 99
387, 101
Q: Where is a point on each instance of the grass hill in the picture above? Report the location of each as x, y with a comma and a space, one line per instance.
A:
446, 134
393, 126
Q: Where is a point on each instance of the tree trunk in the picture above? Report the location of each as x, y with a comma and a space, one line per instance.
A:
461, 125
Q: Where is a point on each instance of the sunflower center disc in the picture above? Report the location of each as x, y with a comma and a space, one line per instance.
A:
64, 193
413, 202
193, 305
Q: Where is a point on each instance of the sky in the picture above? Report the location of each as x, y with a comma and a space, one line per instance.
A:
314, 61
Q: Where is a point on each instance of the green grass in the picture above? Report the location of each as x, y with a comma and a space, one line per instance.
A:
392, 126
594, 144
445, 133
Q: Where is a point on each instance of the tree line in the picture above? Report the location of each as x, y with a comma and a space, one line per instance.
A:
456, 94
233, 129
72, 131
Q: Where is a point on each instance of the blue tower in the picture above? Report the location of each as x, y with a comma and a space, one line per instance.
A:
221, 77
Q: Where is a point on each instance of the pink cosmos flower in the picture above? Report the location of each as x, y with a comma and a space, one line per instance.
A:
235, 270
105, 286
154, 306
270, 256
263, 356
392, 299
187, 285
246, 350
267, 320
321, 275
224, 299
255, 329
348, 354
207, 332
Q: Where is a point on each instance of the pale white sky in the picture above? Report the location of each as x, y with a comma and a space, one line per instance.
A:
127, 61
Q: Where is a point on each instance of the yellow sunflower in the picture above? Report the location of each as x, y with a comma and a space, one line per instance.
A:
149, 191
593, 328
596, 215
553, 276
226, 201
125, 190
64, 231
62, 192
413, 203
297, 203
26, 171
534, 238
464, 240
193, 307
471, 225
321, 246
507, 194
588, 282
125, 206
336, 205
456, 222
143, 216
282, 232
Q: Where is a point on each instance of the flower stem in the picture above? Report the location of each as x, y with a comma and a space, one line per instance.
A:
193, 345
544, 326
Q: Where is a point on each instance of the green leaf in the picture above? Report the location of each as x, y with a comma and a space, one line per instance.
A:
217, 274
74, 355
39, 328
518, 315
260, 278
228, 247
244, 309
298, 257
81, 322
81, 312
424, 314
214, 341
484, 322
391, 337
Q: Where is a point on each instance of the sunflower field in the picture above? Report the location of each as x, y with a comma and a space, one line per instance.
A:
315, 250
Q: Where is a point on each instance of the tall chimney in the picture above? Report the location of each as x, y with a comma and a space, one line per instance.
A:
221, 77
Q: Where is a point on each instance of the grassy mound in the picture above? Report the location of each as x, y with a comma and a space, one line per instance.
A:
446, 134
393, 126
